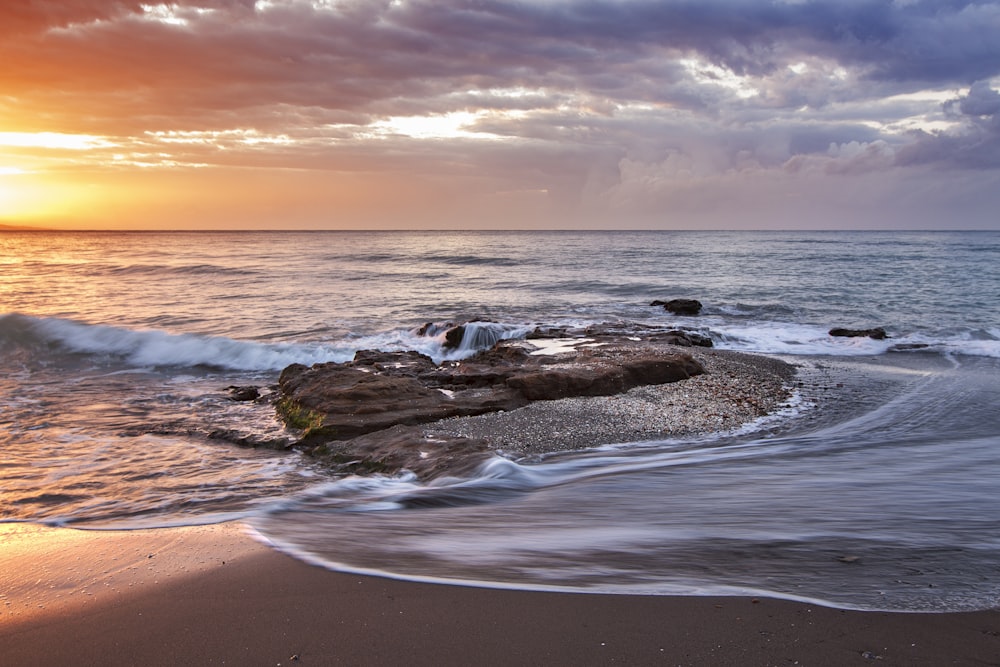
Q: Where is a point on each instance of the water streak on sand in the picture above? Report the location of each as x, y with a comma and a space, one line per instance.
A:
878, 502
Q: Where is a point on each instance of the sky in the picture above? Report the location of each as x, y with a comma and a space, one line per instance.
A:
466, 114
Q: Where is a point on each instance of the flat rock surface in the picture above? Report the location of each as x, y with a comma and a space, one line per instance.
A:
384, 412
378, 390
735, 389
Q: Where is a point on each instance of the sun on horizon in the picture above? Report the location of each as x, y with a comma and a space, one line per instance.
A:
290, 114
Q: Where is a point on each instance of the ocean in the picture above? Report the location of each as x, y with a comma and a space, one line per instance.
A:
880, 490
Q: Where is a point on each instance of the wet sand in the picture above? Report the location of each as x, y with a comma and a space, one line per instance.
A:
213, 595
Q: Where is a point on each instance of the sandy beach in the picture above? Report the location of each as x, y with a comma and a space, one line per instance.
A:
219, 594
214, 595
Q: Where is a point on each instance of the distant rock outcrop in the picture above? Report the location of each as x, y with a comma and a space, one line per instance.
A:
878, 333
680, 306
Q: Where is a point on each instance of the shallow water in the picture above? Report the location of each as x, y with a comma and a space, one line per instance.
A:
898, 515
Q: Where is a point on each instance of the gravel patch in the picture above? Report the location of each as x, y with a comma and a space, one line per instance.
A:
736, 389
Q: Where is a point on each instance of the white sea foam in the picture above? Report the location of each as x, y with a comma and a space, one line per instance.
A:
788, 338
553, 346
152, 348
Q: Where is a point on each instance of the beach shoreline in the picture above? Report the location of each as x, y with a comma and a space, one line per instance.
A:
220, 594
215, 595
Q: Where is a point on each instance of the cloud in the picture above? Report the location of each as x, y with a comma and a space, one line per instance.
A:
613, 104
974, 142
981, 101
850, 158
354, 55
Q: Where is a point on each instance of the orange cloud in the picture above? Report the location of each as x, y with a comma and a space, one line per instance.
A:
419, 113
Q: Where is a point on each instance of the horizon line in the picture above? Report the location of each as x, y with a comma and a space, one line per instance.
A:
269, 230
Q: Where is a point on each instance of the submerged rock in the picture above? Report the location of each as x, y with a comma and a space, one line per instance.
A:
256, 441
379, 394
403, 447
684, 338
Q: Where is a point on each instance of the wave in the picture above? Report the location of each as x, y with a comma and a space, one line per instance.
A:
153, 348
475, 336
184, 270
156, 348
97, 268
430, 258
470, 260
365, 257
787, 338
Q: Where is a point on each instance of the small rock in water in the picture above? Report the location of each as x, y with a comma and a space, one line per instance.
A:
244, 393
878, 333
680, 306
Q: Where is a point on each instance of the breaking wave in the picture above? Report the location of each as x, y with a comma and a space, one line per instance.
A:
157, 348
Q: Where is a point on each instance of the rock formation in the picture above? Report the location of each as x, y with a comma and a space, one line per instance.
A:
359, 414
680, 306
878, 333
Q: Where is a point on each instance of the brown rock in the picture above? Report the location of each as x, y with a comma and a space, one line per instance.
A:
377, 391
878, 333
680, 306
404, 448
355, 401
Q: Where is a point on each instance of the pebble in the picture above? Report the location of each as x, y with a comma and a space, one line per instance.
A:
736, 389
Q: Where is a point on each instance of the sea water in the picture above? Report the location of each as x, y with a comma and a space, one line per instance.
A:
878, 489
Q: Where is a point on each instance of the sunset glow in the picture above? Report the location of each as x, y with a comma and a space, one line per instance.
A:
416, 114
73, 142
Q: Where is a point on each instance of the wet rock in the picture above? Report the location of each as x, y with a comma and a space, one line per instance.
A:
453, 337
684, 338
351, 401
547, 332
403, 448
477, 334
680, 306
603, 379
433, 328
251, 440
243, 393
402, 363
878, 333
337, 402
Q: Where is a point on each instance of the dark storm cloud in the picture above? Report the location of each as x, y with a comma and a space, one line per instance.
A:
975, 145
925, 41
981, 102
363, 52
